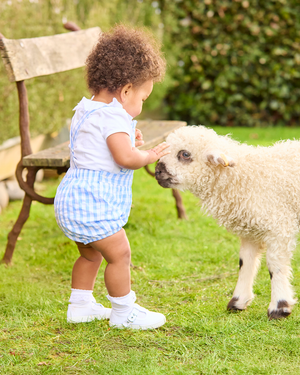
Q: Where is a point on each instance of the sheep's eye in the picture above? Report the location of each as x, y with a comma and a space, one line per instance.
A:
184, 155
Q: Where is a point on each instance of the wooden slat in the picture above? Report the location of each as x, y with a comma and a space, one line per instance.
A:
154, 132
28, 58
53, 157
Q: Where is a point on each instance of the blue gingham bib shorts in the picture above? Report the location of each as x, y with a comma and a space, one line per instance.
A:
91, 205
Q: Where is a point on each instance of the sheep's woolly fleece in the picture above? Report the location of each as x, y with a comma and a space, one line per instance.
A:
258, 197
253, 191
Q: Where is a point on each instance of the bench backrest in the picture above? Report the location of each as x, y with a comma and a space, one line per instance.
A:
34, 57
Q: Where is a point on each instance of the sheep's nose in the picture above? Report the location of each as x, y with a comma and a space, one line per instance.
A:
158, 169
161, 171
163, 177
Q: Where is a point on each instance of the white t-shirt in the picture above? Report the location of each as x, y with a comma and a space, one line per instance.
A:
90, 150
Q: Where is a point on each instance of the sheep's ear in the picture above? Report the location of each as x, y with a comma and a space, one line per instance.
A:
218, 158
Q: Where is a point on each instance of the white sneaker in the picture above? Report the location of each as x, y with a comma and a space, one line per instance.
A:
87, 312
140, 318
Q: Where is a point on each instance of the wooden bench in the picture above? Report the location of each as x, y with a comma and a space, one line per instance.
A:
28, 58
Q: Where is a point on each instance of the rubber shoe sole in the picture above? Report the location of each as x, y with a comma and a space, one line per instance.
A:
143, 327
86, 319
76, 314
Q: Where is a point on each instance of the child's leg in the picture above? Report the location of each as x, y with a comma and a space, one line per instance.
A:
86, 267
125, 313
83, 307
116, 251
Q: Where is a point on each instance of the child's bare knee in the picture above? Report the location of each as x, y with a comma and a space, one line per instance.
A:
89, 253
94, 256
120, 255
124, 254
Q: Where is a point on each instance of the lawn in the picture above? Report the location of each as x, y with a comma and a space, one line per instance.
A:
184, 269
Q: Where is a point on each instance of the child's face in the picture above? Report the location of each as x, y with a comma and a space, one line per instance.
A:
135, 98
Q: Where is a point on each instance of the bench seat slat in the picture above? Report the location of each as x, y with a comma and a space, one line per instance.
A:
154, 132
54, 157
34, 57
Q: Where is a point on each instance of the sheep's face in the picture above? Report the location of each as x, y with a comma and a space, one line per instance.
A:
178, 169
196, 153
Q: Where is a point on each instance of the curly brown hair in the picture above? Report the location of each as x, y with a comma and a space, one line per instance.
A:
123, 56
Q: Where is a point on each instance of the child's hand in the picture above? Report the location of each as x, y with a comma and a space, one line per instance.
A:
158, 152
138, 138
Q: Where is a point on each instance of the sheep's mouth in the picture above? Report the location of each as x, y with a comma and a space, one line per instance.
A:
163, 177
166, 183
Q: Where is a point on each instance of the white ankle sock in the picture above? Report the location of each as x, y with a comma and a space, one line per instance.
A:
81, 296
121, 306
123, 301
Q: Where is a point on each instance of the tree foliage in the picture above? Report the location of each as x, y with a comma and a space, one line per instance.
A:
233, 63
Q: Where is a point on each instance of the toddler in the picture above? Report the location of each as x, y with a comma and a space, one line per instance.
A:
93, 201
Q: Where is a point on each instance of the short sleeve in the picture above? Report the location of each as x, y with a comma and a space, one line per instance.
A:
115, 120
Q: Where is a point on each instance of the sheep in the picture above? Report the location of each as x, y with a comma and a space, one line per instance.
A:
253, 192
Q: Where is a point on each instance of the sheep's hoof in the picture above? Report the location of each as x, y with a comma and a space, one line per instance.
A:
283, 310
232, 305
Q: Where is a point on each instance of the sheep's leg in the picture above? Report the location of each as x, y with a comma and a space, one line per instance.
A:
278, 262
250, 254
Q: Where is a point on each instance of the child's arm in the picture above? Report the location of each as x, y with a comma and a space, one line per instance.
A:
130, 157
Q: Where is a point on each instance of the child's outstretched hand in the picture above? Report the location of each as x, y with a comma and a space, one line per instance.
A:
158, 152
138, 138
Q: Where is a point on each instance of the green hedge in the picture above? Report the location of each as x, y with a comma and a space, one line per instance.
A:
233, 63
229, 62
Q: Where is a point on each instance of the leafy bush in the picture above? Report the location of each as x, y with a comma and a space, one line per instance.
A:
233, 63
229, 62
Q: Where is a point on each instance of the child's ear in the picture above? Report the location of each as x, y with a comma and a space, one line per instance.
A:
125, 92
216, 158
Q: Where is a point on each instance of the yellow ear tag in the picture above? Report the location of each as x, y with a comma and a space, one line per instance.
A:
225, 160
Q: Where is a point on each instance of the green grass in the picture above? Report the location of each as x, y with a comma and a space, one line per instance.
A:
184, 269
